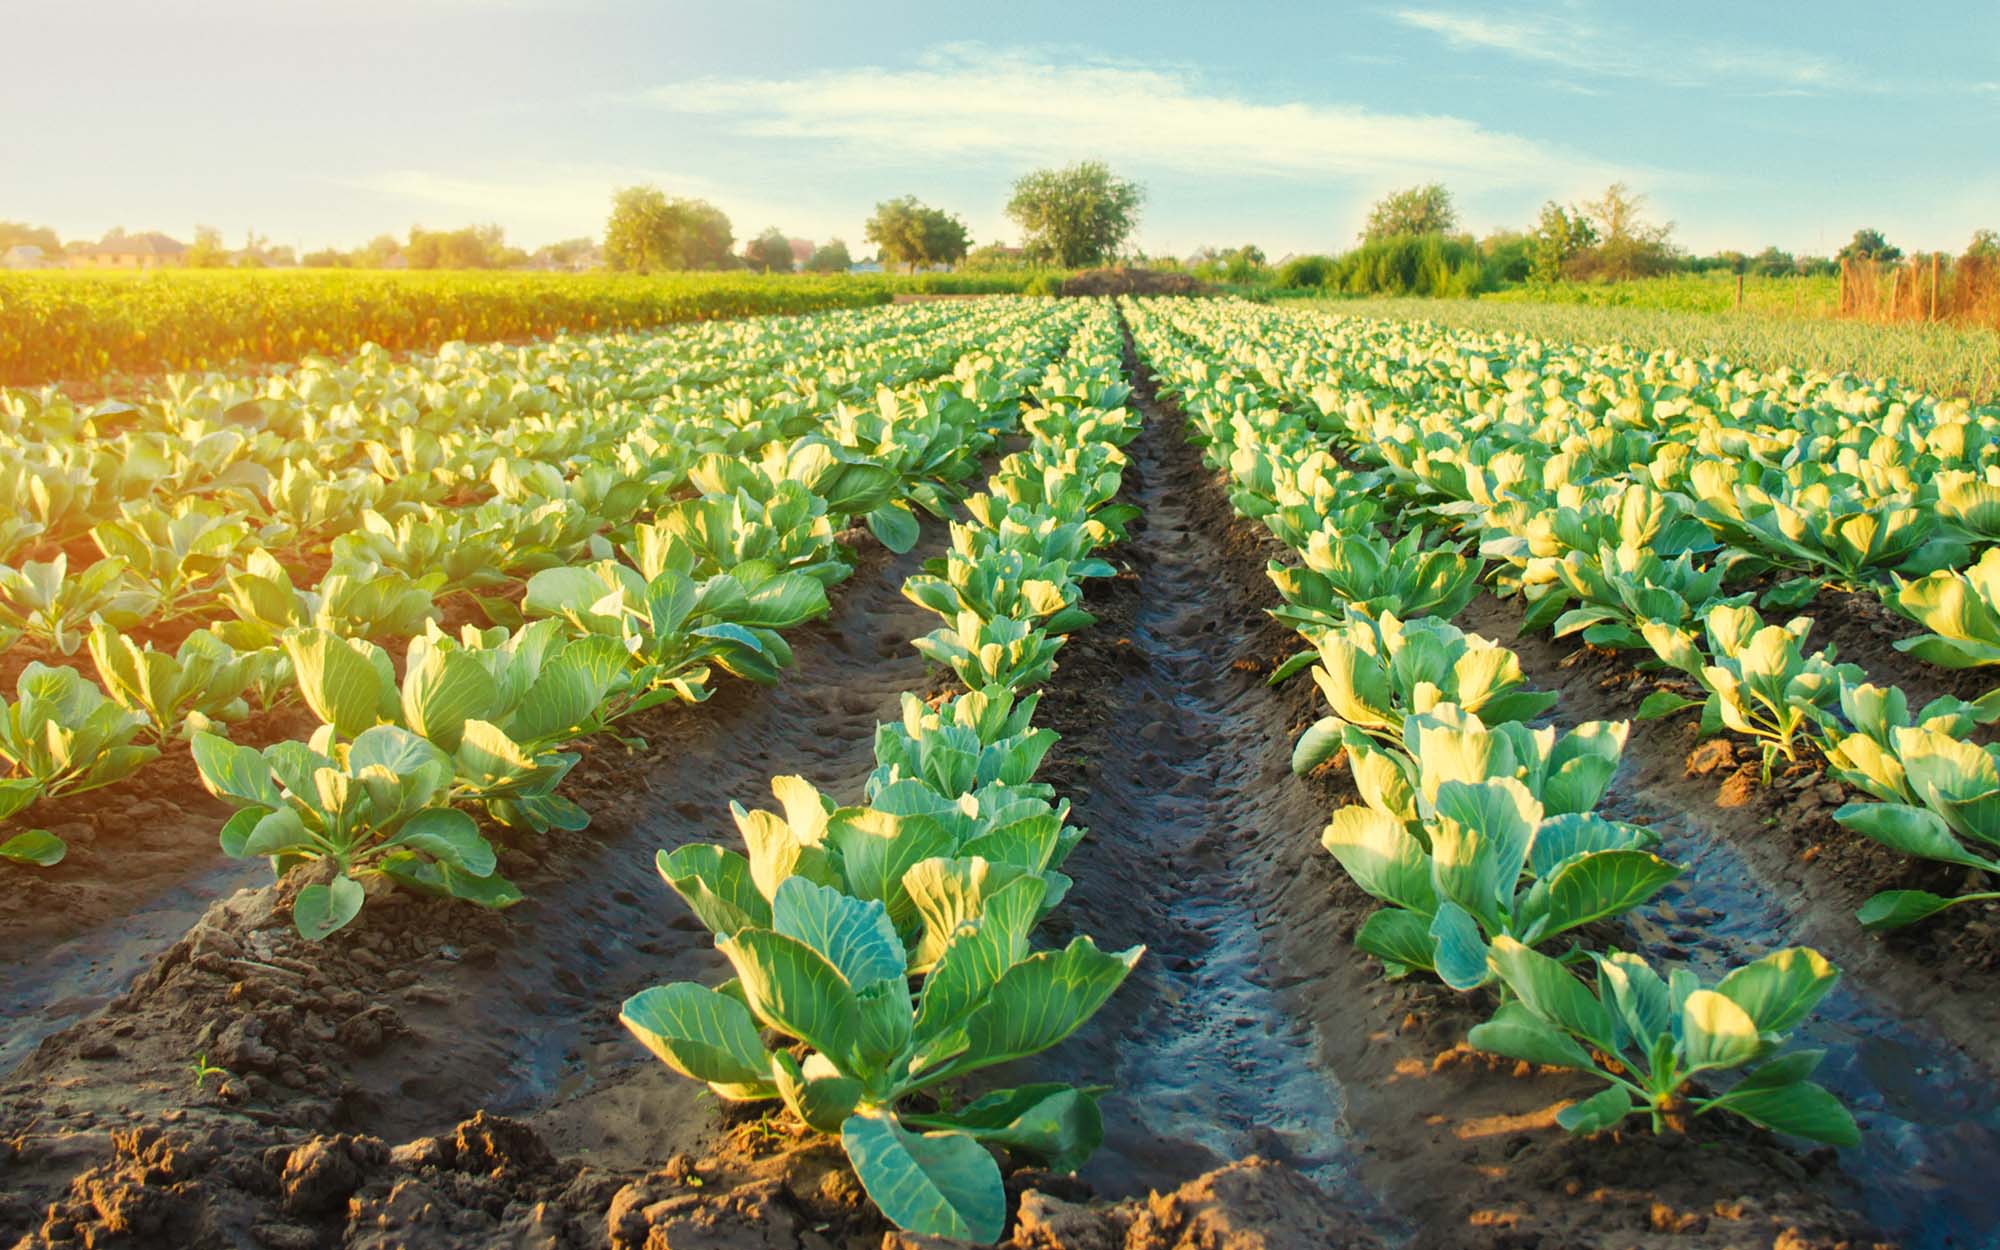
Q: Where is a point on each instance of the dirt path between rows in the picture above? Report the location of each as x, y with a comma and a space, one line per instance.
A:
1461, 1151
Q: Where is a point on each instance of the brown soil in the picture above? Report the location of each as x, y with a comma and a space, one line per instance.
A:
1131, 280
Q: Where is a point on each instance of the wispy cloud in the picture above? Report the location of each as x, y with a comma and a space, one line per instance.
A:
1574, 42
966, 101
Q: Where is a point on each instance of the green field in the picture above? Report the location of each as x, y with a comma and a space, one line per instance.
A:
1948, 360
93, 327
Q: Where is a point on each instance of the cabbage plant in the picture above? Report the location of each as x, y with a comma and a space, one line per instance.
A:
1376, 673
375, 806
1760, 680
1473, 833
1003, 583
43, 601
199, 685
1405, 578
60, 736
1951, 815
1648, 1038
1001, 651
1961, 608
826, 975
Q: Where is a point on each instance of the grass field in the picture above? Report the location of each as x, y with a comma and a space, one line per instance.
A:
1948, 360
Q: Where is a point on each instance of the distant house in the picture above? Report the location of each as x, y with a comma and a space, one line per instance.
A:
151, 250
865, 266
27, 256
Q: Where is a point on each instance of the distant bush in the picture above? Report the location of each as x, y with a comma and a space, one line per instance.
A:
1411, 264
1302, 272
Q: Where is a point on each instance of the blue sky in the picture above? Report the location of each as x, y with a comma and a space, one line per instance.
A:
316, 123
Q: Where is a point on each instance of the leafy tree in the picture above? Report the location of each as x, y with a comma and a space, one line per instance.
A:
1416, 210
768, 251
1985, 245
1245, 264
1628, 245
1868, 244
21, 234
207, 251
1509, 255
911, 233
1077, 215
1560, 236
565, 254
379, 253
327, 258
830, 257
648, 231
474, 247
1773, 262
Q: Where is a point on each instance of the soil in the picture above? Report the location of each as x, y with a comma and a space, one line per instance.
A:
437, 1076
1127, 280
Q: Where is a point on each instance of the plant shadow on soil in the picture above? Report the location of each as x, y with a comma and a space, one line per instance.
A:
1252, 1029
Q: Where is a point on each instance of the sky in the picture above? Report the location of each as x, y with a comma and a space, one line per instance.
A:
327, 123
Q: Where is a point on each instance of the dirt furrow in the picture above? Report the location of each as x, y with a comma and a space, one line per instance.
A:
1463, 1149
1912, 1034
1165, 752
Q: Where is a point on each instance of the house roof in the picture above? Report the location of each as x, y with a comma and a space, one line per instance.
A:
151, 243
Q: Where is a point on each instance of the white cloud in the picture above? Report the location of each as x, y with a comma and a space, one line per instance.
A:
966, 102
1575, 43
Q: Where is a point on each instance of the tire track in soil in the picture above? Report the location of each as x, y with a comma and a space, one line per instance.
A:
1913, 1043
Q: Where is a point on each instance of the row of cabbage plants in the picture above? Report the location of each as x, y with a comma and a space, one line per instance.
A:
883, 949
1475, 826
728, 535
1654, 504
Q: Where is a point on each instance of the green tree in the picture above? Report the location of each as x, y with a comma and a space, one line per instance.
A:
649, 231
208, 251
769, 251
830, 257
1628, 246
910, 233
1078, 215
1415, 210
1508, 255
1868, 244
1245, 264
1985, 245
1560, 236
21, 234
379, 252
1773, 262
327, 258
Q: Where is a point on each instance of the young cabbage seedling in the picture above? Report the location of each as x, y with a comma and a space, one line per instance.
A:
1648, 1037
829, 974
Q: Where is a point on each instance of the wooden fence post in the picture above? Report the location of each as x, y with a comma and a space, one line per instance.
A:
1934, 277
1739, 290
